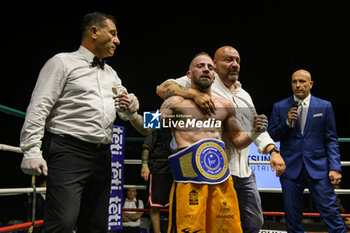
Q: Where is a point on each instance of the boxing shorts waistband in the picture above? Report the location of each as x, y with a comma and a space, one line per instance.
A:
204, 162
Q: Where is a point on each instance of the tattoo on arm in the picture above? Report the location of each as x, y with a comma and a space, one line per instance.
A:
139, 119
138, 125
169, 89
145, 156
183, 88
167, 104
168, 92
166, 85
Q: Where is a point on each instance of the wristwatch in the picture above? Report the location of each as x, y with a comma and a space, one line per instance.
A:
275, 149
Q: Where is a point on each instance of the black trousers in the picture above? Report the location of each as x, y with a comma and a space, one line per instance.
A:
78, 185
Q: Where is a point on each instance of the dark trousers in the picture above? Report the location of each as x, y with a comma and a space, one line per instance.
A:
323, 196
78, 185
249, 200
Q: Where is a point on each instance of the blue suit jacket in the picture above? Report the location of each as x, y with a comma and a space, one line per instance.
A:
317, 148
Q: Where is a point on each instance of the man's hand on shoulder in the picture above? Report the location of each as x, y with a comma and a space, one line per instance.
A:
205, 103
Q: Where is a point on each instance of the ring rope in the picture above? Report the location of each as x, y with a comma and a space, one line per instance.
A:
21, 226
138, 161
39, 223
276, 213
16, 191
10, 148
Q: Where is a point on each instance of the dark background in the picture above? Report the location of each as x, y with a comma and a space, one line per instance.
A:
158, 41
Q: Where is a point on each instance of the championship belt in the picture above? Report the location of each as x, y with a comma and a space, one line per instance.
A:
204, 162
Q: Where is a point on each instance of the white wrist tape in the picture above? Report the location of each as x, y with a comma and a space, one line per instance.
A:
127, 116
253, 135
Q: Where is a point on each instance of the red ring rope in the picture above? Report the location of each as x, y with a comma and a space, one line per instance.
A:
38, 223
21, 226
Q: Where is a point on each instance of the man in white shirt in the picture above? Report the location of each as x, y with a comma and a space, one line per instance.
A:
227, 67
76, 99
132, 219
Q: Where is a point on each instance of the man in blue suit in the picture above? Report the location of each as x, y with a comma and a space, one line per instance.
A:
305, 127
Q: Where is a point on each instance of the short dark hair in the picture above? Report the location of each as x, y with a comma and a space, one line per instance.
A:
95, 18
197, 55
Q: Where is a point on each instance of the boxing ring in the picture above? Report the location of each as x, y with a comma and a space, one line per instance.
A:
41, 190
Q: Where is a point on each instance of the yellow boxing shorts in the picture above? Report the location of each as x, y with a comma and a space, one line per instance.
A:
204, 208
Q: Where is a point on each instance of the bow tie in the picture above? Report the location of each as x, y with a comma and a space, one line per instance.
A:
98, 62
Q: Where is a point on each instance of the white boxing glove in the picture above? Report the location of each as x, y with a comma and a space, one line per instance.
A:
134, 105
34, 166
263, 124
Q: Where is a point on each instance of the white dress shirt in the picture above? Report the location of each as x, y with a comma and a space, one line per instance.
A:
245, 110
71, 97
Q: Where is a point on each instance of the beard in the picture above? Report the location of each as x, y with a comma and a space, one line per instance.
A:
202, 84
233, 78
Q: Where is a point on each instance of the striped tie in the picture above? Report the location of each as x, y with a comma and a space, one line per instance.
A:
302, 116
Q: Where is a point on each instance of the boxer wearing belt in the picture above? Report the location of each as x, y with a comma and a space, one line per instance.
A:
202, 197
